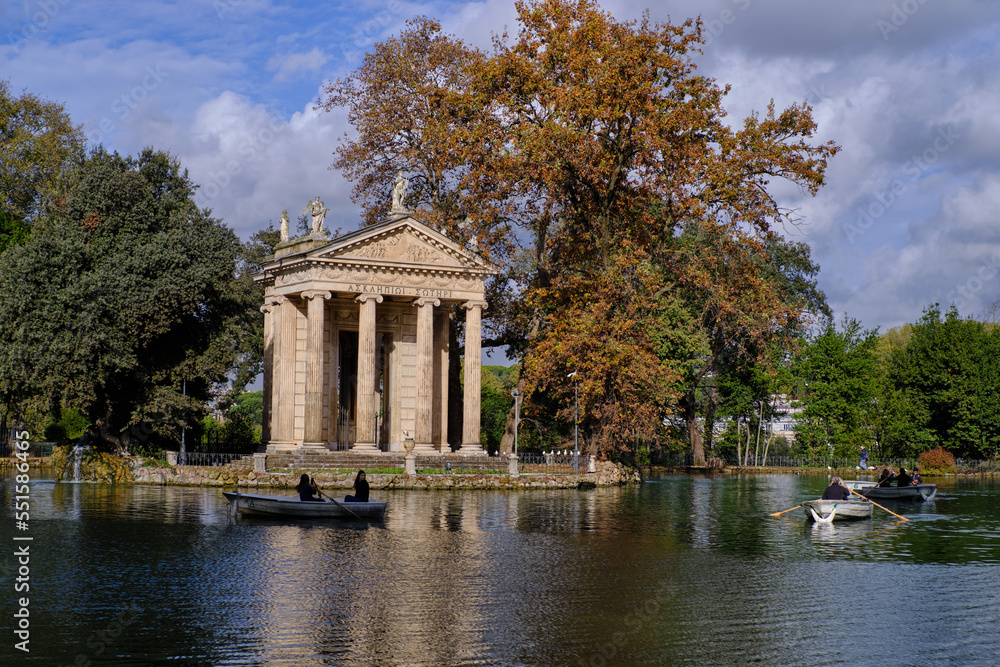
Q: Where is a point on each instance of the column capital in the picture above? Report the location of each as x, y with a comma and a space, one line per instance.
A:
266, 308
427, 301
314, 293
362, 298
278, 300
469, 305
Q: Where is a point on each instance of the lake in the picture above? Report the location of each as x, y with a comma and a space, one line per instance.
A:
678, 571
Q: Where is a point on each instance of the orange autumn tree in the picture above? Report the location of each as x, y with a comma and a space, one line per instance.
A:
633, 220
409, 104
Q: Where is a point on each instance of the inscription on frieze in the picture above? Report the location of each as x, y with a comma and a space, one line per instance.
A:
393, 290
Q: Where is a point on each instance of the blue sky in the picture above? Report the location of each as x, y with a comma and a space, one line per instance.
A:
909, 88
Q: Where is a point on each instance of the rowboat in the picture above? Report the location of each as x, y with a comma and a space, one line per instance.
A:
254, 504
918, 492
826, 511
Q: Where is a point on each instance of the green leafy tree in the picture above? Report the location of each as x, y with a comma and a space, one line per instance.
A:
37, 139
127, 301
889, 410
252, 404
945, 381
497, 383
740, 363
246, 330
70, 426
837, 372
745, 398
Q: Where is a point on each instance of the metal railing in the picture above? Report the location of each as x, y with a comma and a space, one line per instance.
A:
212, 459
460, 464
528, 462
787, 461
531, 462
978, 467
35, 449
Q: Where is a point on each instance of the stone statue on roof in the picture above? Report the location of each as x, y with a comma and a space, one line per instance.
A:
399, 193
284, 225
318, 211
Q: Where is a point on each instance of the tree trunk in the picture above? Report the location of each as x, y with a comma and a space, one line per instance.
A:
767, 446
694, 435
105, 434
739, 442
507, 441
713, 402
756, 450
746, 449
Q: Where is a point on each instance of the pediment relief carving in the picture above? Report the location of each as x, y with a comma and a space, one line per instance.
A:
290, 278
404, 246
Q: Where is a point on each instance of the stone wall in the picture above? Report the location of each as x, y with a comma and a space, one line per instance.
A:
242, 476
93, 466
111, 469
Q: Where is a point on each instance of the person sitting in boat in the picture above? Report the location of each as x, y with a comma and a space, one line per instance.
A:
885, 477
360, 490
916, 478
308, 491
902, 479
836, 490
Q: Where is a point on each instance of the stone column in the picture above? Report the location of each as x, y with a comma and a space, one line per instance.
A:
439, 430
315, 314
425, 375
333, 387
365, 439
280, 393
265, 422
473, 376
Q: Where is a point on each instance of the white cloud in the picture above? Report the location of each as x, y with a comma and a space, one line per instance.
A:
251, 163
291, 65
232, 96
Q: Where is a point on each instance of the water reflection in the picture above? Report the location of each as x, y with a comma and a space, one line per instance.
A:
604, 576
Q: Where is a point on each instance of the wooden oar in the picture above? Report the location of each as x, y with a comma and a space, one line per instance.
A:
340, 504
901, 518
346, 508
788, 510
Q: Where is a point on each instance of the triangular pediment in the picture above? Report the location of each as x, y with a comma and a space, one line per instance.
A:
405, 242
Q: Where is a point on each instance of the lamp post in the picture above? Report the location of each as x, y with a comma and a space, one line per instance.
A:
576, 424
183, 457
517, 414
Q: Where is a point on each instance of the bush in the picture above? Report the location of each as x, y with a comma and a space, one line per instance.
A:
71, 425
55, 432
936, 461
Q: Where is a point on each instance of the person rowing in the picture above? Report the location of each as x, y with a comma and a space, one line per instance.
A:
308, 491
836, 490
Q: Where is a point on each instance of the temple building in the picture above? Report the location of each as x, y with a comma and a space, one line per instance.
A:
356, 338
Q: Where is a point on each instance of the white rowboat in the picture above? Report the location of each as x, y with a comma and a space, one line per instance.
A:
826, 511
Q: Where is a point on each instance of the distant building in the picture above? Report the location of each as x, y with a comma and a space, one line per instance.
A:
787, 418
